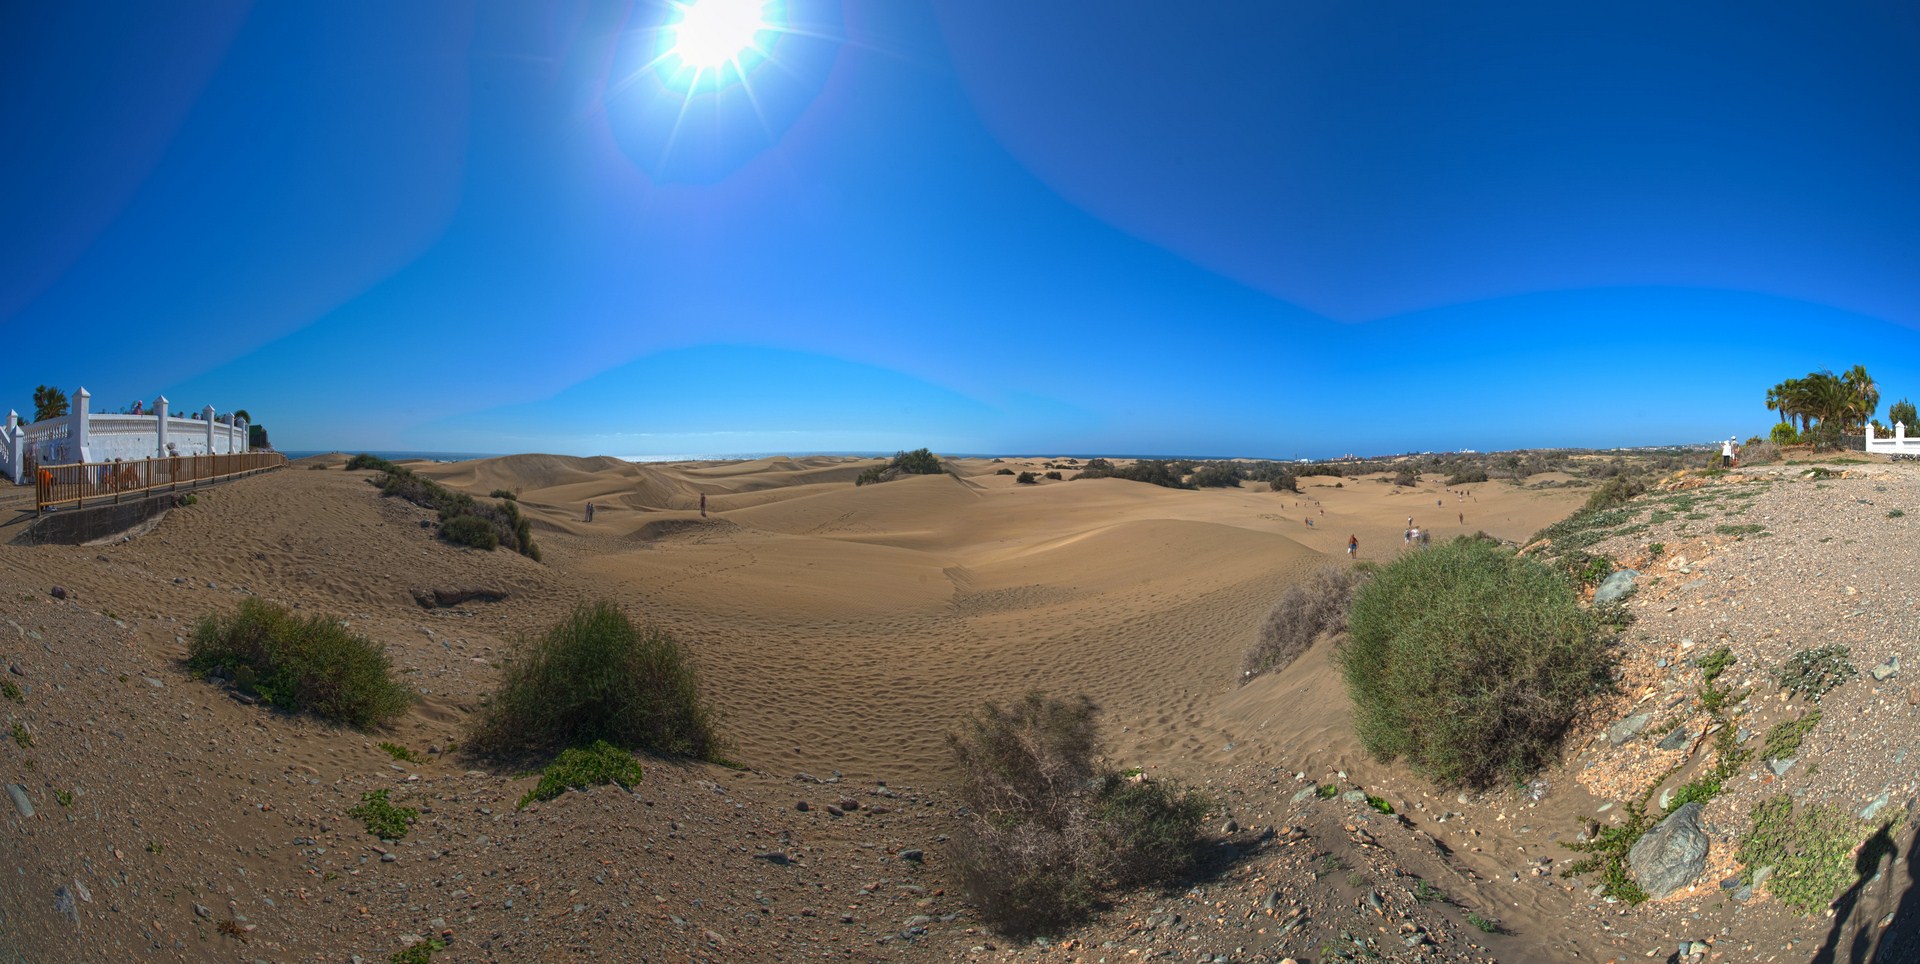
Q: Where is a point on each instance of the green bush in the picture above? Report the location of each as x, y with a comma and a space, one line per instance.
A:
1784, 738
917, 462
1215, 475
311, 664
1903, 411
1824, 436
1470, 662
1302, 615
506, 494
1004, 472
1468, 473
1406, 478
1154, 472
466, 530
577, 769
1284, 482
1614, 493
374, 462
597, 676
1055, 476
1815, 850
1027, 478
1046, 829
1784, 434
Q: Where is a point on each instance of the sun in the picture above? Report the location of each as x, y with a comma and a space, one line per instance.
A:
710, 34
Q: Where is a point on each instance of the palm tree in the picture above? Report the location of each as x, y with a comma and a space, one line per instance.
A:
1865, 394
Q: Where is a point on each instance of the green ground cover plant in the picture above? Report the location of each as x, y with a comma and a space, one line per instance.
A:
383, 819
1470, 662
1784, 738
295, 663
1815, 850
1813, 673
598, 676
579, 768
464, 520
1048, 829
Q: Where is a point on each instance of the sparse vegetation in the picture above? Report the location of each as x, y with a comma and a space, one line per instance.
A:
1470, 662
1784, 738
507, 494
1812, 850
383, 819
401, 753
296, 663
1215, 475
11, 690
1054, 475
63, 797
21, 737
1813, 673
1026, 478
577, 769
1326, 791
598, 676
493, 524
419, 952
1047, 829
916, 462
1304, 613
1485, 925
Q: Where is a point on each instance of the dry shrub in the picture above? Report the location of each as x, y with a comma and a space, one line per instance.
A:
1305, 612
1046, 829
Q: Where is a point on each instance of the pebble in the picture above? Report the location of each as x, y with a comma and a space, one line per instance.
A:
20, 801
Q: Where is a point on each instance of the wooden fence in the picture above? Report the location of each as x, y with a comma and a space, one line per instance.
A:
103, 482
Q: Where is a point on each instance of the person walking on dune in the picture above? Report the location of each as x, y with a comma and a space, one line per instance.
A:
703, 505
1353, 546
589, 512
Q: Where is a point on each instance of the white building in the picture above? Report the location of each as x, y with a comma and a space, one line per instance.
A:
81, 436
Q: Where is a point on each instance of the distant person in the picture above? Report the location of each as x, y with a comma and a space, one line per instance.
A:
1406, 535
1726, 453
703, 505
1439, 502
589, 512
1353, 546
1426, 536
1409, 522
1463, 518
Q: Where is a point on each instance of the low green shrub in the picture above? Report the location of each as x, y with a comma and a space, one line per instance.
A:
1004, 472
506, 494
374, 462
1815, 851
383, 819
1466, 474
294, 663
577, 769
1303, 614
1047, 830
419, 952
1785, 737
1470, 662
1215, 475
11, 690
1027, 478
1784, 434
597, 676
401, 753
1813, 673
470, 531
1055, 476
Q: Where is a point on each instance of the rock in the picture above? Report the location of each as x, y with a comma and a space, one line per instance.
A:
1780, 767
1354, 796
915, 855
1304, 794
1628, 728
1666, 798
1672, 854
446, 598
1874, 806
803, 806
849, 804
1231, 826
20, 801
1677, 740
1886, 669
774, 857
58, 592
200, 910
1615, 588
156, 684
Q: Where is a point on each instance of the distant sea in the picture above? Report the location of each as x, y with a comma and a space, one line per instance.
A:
747, 456
396, 456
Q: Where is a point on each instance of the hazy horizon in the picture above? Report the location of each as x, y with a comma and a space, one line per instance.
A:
978, 226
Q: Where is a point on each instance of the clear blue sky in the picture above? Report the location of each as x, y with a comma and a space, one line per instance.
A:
1243, 228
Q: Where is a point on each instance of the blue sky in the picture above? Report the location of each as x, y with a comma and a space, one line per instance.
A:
1240, 228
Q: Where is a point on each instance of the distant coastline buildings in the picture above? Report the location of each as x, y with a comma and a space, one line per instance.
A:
82, 436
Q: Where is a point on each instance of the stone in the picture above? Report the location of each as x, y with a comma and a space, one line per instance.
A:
1615, 587
20, 801
774, 857
914, 855
58, 592
1672, 854
1628, 728
200, 910
1231, 826
1304, 794
803, 806
1889, 668
1874, 806
1780, 767
1354, 796
1677, 740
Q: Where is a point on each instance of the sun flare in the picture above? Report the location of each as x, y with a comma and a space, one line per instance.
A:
712, 33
